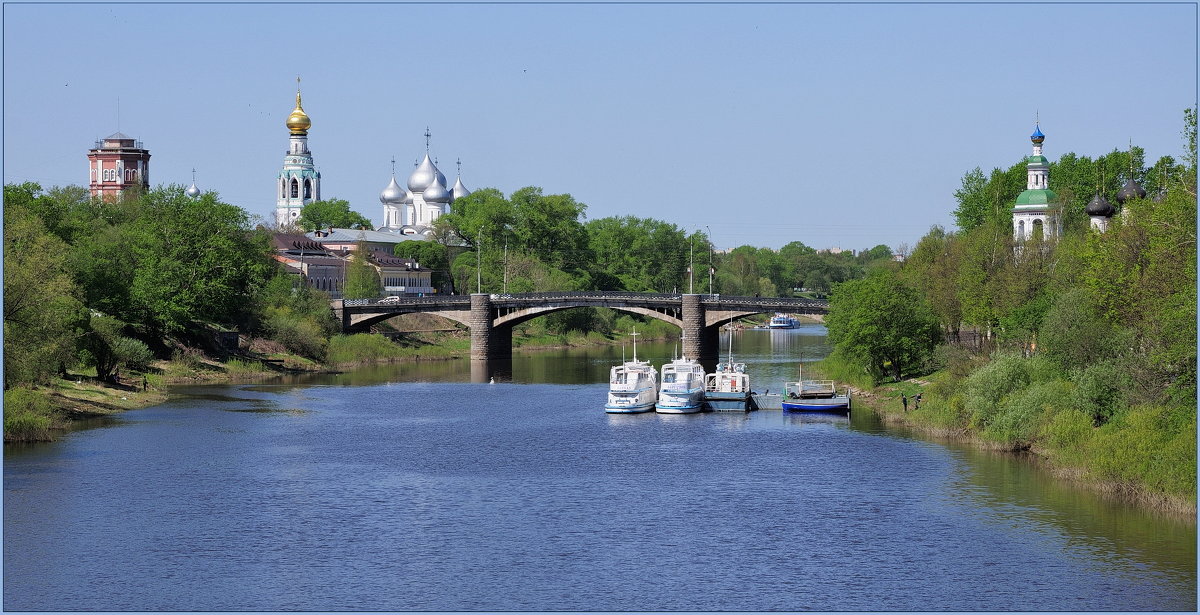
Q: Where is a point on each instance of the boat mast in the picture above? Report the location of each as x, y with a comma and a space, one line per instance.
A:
634, 334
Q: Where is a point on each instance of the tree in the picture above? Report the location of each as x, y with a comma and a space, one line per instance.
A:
362, 280
42, 312
549, 228
331, 213
881, 323
106, 348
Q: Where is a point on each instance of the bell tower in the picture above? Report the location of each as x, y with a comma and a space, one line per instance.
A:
299, 182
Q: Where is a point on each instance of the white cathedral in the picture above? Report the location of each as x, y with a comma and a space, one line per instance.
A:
412, 211
406, 212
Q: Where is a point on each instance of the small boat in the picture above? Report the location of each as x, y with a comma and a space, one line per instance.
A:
815, 396
682, 388
728, 388
767, 400
782, 321
632, 386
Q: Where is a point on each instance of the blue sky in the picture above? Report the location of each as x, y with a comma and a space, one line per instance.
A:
832, 124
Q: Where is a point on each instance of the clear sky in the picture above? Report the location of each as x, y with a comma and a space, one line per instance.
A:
832, 124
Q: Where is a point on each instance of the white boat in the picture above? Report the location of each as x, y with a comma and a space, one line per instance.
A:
782, 321
728, 388
682, 388
632, 386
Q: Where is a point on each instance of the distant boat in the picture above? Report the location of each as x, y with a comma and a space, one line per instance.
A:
632, 386
682, 388
783, 321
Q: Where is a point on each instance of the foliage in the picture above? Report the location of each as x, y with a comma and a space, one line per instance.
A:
331, 213
42, 314
28, 415
104, 347
362, 279
879, 322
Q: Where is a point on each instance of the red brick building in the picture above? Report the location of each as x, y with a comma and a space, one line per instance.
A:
116, 163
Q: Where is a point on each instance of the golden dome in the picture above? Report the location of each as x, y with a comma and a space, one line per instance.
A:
298, 121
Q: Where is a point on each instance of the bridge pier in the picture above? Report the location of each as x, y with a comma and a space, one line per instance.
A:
699, 341
487, 340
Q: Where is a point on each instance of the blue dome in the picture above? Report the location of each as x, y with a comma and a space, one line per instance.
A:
1037, 136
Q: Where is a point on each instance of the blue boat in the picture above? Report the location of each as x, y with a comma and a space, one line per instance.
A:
815, 396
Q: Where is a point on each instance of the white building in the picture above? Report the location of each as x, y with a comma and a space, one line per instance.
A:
412, 212
299, 183
1037, 208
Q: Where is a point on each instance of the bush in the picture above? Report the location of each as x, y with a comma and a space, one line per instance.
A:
1019, 419
362, 348
300, 335
985, 389
28, 416
1101, 391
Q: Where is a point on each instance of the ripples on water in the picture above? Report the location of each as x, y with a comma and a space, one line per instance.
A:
455, 496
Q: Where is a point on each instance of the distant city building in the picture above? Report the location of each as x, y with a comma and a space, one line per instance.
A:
1037, 208
299, 183
319, 260
412, 212
117, 162
311, 262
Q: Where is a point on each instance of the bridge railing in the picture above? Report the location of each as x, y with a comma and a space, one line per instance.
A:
708, 300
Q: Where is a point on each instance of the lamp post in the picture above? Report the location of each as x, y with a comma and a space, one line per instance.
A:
710, 251
479, 261
691, 269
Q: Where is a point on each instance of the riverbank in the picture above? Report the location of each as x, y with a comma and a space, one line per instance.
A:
41, 414
886, 402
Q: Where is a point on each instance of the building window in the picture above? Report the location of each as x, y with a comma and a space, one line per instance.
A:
308, 188
295, 189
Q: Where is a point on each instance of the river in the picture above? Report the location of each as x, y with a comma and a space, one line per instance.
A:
410, 487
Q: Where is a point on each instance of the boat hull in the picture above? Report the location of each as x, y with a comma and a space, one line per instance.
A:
729, 402
836, 405
672, 409
611, 409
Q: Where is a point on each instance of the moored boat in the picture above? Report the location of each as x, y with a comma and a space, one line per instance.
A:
815, 396
682, 388
728, 388
632, 386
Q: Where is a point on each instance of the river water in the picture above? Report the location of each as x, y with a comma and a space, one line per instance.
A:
409, 487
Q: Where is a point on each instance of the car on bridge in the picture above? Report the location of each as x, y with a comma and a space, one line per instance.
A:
387, 300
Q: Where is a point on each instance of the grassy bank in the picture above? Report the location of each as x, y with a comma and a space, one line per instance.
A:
1144, 452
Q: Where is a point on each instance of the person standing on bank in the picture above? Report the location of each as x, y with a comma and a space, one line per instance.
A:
904, 400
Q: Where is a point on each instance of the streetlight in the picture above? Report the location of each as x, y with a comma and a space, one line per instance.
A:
708, 238
479, 261
691, 269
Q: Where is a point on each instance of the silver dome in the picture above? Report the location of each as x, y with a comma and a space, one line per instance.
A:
423, 175
459, 190
393, 194
436, 193
192, 190
408, 198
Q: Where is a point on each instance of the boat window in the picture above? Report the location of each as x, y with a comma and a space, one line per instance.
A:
669, 377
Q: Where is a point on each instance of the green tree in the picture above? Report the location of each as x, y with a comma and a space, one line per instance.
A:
192, 259
105, 347
334, 213
882, 324
362, 279
549, 228
42, 313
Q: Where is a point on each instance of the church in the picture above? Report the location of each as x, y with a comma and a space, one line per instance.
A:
408, 212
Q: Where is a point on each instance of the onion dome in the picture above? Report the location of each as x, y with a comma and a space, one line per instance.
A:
192, 190
423, 175
393, 194
436, 193
1130, 191
1099, 206
1037, 136
459, 190
298, 122
408, 198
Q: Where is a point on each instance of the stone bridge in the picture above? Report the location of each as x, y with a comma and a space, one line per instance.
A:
491, 317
